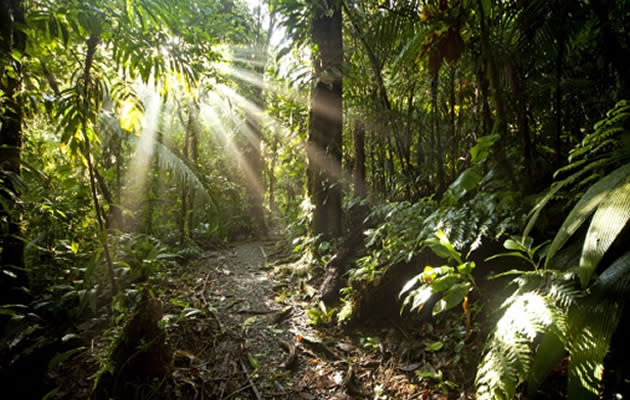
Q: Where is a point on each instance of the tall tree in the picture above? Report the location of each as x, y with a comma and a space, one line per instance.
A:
12, 46
326, 120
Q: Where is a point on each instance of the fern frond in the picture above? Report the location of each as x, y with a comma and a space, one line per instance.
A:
509, 352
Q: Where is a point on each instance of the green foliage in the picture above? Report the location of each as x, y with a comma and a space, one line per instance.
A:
523, 248
601, 151
575, 311
536, 309
452, 284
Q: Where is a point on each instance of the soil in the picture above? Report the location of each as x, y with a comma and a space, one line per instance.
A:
240, 325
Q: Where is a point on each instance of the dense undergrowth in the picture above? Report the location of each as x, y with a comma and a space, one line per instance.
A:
138, 135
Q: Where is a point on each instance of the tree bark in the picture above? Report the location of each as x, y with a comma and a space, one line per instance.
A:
358, 170
325, 122
12, 40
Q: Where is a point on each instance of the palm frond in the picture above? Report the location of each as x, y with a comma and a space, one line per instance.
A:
593, 323
586, 207
591, 159
608, 221
168, 159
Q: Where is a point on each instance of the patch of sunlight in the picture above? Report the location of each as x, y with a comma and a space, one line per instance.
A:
525, 316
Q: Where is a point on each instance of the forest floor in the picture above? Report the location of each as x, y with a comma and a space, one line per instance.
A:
237, 321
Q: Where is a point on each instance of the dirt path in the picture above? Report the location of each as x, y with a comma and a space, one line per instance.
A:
240, 323
257, 342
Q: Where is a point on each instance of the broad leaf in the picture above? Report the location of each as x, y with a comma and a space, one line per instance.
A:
609, 219
586, 206
550, 351
452, 297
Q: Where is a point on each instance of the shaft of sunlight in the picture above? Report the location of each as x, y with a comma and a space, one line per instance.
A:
140, 163
217, 113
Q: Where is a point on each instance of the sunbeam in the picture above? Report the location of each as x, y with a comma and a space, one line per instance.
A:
254, 79
214, 113
140, 163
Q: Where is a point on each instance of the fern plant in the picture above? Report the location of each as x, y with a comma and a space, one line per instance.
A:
565, 308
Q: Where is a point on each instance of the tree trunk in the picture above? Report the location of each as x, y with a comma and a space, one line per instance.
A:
523, 127
438, 157
500, 124
614, 50
183, 233
453, 138
194, 158
557, 101
13, 41
325, 123
272, 176
358, 170
91, 43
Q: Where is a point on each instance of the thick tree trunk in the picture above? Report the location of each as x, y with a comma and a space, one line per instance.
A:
12, 41
325, 123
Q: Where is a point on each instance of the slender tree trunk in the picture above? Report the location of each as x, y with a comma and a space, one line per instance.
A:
12, 41
92, 42
272, 175
325, 123
358, 170
453, 139
523, 127
194, 158
557, 101
500, 124
436, 134
484, 85
183, 234
253, 147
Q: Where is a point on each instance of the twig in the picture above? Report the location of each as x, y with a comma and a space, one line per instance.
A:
237, 391
251, 382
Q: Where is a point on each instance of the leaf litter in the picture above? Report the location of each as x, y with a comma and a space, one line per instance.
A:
238, 325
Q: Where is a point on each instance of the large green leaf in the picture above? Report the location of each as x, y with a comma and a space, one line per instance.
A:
548, 354
593, 323
452, 297
586, 206
610, 218
615, 280
466, 181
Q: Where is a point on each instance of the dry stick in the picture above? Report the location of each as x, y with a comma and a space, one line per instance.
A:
237, 391
251, 382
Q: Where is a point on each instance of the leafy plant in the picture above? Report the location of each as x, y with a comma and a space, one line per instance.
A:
564, 307
452, 284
